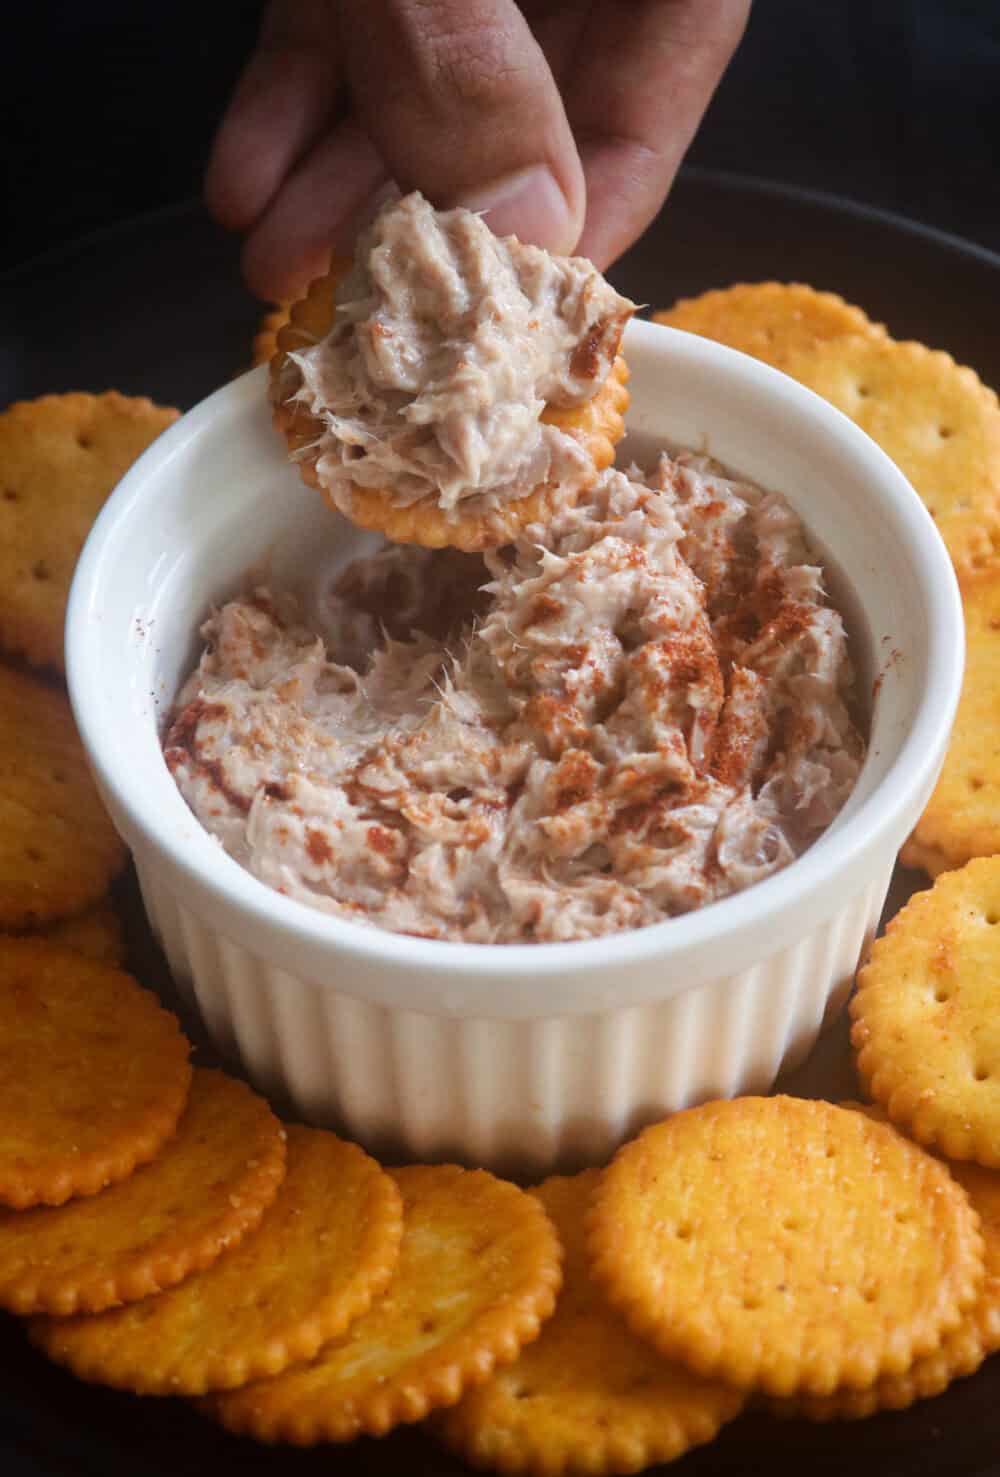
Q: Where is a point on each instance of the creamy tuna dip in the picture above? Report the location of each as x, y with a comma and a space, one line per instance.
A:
448, 344
636, 710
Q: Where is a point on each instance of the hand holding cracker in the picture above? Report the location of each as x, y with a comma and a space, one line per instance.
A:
569, 134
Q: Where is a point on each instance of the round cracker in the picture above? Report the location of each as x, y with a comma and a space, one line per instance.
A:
60, 457
598, 425
265, 344
769, 320
961, 1353
962, 817
935, 418
94, 1074
926, 1025
479, 1269
784, 1244
586, 1395
58, 850
325, 1247
209, 1185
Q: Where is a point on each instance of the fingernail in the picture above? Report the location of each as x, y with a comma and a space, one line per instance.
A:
527, 204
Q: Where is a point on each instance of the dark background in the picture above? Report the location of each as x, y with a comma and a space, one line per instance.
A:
107, 109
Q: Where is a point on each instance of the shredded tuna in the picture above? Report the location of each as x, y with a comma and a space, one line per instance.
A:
636, 711
448, 344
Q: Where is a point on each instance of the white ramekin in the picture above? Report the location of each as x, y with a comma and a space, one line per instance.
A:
525, 1055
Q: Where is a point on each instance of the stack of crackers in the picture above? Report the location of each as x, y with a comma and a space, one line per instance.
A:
164, 1233
59, 854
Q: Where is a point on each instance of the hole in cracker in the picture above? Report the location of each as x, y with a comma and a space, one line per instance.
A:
870, 1294
982, 1074
993, 917
683, 1233
791, 1223
33, 854
831, 1152
863, 392
944, 432
523, 1392
751, 1304
941, 994
428, 1325
10, 496
903, 1217
84, 441
40, 570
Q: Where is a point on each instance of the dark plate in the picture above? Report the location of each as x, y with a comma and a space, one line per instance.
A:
155, 307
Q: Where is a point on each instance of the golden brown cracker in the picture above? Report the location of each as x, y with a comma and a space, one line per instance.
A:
325, 1247
58, 849
926, 1019
60, 457
97, 932
923, 858
265, 344
962, 817
586, 1395
936, 419
94, 1074
478, 1272
769, 320
209, 1185
784, 1244
598, 425
961, 1353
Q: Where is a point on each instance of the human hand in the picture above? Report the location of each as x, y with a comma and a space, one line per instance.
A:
565, 120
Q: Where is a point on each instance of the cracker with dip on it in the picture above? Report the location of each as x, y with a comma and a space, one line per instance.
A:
454, 387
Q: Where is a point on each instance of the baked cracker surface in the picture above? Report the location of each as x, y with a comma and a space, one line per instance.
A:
926, 1015
784, 1245
587, 1395
478, 1272
326, 1245
962, 818
59, 851
60, 457
960, 1353
208, 1187
109, 1074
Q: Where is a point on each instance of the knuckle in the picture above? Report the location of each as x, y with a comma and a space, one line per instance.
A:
468, 58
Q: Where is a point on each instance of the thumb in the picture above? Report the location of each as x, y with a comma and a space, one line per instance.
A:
459, 101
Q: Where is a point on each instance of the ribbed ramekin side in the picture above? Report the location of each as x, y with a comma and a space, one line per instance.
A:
524, 1095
